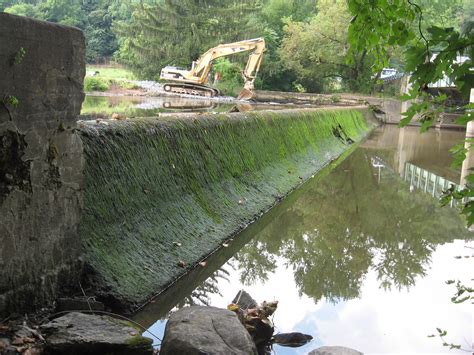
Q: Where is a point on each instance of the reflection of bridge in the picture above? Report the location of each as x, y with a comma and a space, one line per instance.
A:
425, 180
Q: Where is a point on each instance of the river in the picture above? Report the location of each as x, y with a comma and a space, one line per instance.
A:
359, 256
105, 106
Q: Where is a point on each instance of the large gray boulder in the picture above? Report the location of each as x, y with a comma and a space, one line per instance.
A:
334, 350
83, 334
201, 330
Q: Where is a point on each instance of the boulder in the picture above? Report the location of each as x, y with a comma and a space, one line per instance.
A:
206, 330
83, 334
334, 350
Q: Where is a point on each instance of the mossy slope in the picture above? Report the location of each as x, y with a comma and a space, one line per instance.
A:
154, 183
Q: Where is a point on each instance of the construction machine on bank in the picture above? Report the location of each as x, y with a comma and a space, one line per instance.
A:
194, 81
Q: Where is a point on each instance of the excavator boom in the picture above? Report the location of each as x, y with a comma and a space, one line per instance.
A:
194, 81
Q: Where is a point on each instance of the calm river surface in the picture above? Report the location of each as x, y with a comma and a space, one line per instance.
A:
356, 257
147, 106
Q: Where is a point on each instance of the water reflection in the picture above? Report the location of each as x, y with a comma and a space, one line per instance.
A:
145, 106
357, 240
148, 106
348, 223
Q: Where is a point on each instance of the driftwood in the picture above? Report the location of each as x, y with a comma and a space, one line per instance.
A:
256, 320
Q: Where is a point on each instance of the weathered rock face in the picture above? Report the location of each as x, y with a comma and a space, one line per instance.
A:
334, 350
41, 74
206, 330
82, 334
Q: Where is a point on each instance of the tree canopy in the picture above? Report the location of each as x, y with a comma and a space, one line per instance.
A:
312, 45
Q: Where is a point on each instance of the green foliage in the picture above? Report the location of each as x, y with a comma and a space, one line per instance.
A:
19, 56
316, 51
10, 100
95, 84
178, 32
94, 17
231, 78
274, 73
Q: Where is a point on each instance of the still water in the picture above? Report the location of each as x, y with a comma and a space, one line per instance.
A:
359, 256
147, 106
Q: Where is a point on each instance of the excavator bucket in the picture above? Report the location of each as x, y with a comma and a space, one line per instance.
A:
246, 94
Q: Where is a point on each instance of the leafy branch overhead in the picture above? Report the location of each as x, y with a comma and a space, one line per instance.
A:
431, 53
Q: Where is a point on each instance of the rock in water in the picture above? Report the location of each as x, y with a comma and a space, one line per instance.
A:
292, 339
334, 350
201, 330
86, 334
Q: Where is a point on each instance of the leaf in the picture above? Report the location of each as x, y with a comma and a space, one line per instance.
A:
405, 121
426, 124
406, 97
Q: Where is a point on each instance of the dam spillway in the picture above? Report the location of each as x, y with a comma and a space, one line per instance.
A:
163, 193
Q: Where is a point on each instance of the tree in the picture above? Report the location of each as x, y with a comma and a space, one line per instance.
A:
177, 32
27, 10
94, 17
274, 74
317, 50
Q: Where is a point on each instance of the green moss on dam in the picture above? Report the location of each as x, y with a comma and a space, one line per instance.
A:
160, 191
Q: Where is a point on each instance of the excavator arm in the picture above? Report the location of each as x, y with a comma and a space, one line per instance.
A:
199, 72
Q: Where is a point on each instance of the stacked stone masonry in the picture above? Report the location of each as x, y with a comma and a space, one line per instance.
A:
41, 91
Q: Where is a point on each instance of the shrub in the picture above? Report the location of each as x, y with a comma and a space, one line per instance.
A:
95, 84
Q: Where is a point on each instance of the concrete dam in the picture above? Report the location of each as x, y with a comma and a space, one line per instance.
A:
161, 194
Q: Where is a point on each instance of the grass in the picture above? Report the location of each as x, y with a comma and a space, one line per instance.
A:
107, 78
115, 73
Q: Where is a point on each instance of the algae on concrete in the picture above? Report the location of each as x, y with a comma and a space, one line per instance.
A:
162, 193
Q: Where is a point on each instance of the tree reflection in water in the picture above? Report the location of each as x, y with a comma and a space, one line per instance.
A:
347, 224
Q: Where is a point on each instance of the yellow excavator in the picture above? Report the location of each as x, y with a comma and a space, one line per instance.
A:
193, 82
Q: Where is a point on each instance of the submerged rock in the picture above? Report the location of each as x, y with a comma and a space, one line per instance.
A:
206, 330
334, 350
83, 334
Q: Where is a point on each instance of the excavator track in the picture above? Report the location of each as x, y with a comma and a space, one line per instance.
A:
190, 89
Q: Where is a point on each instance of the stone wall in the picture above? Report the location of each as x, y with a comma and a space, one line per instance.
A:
41, 74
